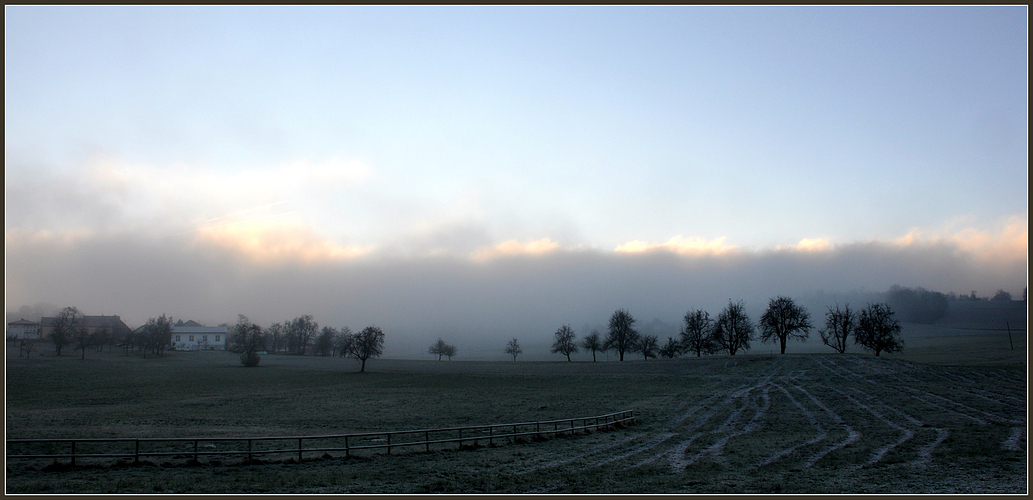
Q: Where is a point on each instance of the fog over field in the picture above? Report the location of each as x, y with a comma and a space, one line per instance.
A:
478, 306
480, 174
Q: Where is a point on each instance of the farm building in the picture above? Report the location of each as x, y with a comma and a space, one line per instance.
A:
114, 325
199, 338
23, 329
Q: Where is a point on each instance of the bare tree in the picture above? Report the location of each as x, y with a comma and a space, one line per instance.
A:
441, 348
647, 345
325, 342
565, 342
622, 336
877, 331
275, 333
592, 342
249, 336
733, 329
158, 334
83, 339
839, 324
369, 343
343, 342
64, 327
513, 348
301, 331
784, 320
26, 346
697, 333
671, 349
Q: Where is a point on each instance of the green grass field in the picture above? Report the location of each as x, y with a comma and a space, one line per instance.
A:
803, 423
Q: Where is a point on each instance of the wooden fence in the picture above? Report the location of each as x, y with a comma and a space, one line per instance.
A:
423, 439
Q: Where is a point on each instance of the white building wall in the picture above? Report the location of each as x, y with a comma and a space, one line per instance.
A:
207, 338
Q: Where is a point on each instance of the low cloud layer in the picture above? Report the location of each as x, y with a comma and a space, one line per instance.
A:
477, 301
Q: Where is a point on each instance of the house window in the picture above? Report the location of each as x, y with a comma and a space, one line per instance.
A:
177, 338
204, 338
216, 338
191, 338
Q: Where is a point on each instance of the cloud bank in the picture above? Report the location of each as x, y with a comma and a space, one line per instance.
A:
478, 301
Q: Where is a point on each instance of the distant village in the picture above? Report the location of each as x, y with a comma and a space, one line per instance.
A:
112, 331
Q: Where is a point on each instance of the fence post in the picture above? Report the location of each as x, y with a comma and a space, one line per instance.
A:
73, 453
491, 431
299, 449
537, 430
426, 439
460, 438
1006, 325
136, 457
249, 450
388, 443
347, 450
195, 450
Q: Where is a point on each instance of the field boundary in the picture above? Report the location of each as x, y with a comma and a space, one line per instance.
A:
105, 448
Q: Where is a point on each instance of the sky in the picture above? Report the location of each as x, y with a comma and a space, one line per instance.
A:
485, 173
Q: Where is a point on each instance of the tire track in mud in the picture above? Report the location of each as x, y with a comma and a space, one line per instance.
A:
1017, 440
643, 443
702, 430
852, 435
926, 451
822, 433
881, 452
675, 456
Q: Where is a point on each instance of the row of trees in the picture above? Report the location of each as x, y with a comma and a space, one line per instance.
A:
874, 328
69, 328
250, 339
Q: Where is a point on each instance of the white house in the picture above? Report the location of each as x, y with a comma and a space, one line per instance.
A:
23, 329
199, 338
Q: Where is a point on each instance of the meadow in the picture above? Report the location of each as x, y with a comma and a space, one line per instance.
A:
924, 421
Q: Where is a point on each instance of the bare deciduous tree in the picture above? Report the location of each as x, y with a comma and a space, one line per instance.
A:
513, 348
622, 336
158, 334
877, 331
784, 320
301, 331
671, 349
592, 342
647, 345
697, 333
325, 341
83, 339
369, 343
275, 333
733, 329
26, 346
839, 324
441, 348
249, 337
64, 327
343, 342
565, 342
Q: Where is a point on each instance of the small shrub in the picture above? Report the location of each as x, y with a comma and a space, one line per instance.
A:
250, 358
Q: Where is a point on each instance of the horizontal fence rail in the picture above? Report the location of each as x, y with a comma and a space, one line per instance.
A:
193, 448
